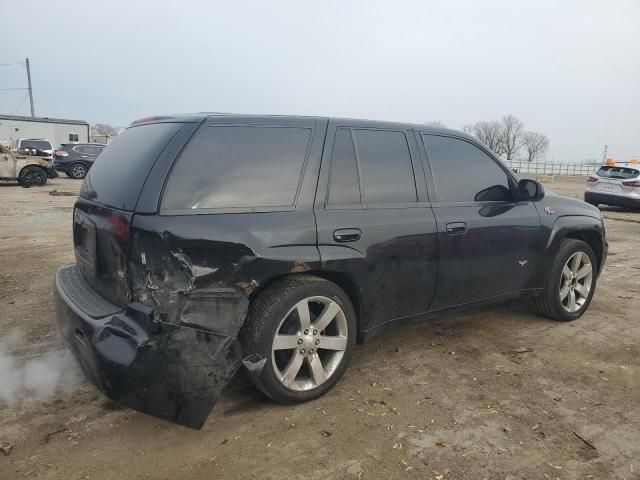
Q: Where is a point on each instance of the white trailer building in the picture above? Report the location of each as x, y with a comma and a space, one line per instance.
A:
56, 130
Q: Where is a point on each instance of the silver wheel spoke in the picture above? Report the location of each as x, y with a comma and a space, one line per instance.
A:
584, 271
302, 308
564, 291
333, 343
285, 342
328, 314
572, 301
290, 373
576, 262
582, 290
317, 370
566, 272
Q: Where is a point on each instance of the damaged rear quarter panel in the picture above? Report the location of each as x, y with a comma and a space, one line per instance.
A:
200, 270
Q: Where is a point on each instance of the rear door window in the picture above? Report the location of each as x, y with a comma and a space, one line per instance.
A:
385, 164
243, 167
621, 173
344, 184
377, 169
462, 172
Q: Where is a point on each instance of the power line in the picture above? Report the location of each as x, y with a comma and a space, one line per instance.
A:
14, 88
9, 64
21, 104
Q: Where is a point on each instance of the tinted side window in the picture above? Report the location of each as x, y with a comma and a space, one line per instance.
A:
385, 165
344, 185
243, 166
91, 150
80, 149
464, 173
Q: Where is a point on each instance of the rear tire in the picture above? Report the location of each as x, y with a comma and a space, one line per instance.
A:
31, 176
78, 171
305, 328
571, 282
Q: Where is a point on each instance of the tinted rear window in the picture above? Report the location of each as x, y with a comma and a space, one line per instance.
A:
119, 172
618, 172
39, 144
238, 167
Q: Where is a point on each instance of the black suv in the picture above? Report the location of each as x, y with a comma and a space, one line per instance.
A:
75, 159
208, 242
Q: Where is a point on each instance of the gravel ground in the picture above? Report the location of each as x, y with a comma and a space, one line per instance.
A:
491, 393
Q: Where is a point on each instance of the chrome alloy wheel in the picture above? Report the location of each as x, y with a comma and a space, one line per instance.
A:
309, 343
575, 282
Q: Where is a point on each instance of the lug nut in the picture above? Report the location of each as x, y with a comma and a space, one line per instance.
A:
315, 332
306, 332
302, 351
318, 341
311, 351
299, 341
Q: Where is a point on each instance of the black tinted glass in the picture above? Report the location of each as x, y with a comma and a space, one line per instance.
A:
618, 172
344, 187
226, 167
385, 165
464, 173
117, 176
37, 144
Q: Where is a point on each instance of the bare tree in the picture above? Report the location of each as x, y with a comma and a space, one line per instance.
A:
104, 129
535, 144
512, 130
490, 133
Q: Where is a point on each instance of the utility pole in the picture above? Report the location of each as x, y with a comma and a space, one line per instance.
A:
604, 155
30, 90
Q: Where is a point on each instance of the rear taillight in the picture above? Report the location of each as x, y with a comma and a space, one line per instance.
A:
631, 183
119, 227
61, 153
592, 179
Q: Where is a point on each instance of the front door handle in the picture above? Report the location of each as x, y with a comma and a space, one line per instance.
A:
345, 235
456, 228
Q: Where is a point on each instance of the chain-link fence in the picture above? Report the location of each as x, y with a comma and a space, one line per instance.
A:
551, 168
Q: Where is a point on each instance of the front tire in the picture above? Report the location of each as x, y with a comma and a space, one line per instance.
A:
32, 177
305, 328
571, 282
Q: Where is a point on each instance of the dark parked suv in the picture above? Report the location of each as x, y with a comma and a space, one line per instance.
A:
75, 159
208, 242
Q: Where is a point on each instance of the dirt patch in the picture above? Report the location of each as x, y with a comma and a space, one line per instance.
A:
494, 393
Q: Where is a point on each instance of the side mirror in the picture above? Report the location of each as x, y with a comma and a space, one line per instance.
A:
530, 190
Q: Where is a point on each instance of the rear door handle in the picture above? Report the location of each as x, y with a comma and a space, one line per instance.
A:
345, 235
456, 228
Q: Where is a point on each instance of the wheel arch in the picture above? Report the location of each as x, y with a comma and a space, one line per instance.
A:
588, 229
341, 279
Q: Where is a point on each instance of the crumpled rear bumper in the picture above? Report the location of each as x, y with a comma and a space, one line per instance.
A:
169, 371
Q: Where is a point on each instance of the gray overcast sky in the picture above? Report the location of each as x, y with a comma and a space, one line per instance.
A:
569, 69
